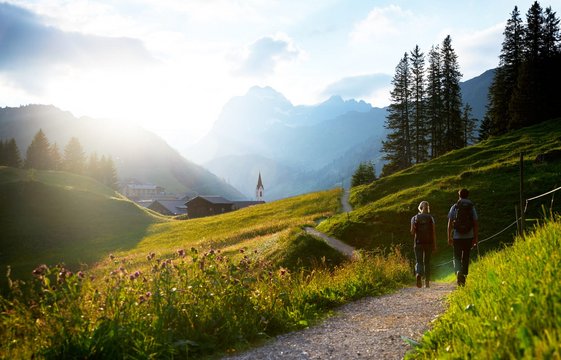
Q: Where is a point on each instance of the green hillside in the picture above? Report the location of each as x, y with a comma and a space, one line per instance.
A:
51, 217
490, 170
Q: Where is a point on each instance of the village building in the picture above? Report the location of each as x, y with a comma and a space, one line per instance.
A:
169, 207
201, 206
138, 191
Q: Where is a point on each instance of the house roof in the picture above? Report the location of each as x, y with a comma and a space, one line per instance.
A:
173, 206
212, 200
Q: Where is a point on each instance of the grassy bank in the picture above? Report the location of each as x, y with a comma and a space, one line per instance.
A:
190, 304
510, 308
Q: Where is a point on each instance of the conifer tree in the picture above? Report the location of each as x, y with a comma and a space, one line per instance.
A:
74, 157
469, 126
93, 168
506, 75
451, 97
56, 158
108, 172
364, 174
484, 128
12, 155
38, 155
433, 111
419, 131
397, 145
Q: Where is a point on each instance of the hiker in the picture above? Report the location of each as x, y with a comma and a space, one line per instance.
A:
422, 226
462, 233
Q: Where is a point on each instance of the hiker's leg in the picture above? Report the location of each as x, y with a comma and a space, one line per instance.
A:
419, 266
457, 256
428, 252
465, 257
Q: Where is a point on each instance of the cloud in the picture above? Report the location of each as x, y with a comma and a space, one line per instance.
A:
262, 57
361, 86
479, 50
381, 24
30, 50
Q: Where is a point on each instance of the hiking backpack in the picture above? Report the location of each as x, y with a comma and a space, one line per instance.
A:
423, 229
463, 222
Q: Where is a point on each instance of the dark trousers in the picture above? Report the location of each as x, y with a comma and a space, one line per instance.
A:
422, 259
462, 248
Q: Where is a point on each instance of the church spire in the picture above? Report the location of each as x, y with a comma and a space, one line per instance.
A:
259, 189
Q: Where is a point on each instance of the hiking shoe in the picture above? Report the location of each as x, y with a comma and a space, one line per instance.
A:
419, 281
461, 279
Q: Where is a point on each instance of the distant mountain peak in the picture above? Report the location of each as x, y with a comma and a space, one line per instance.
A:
265, 93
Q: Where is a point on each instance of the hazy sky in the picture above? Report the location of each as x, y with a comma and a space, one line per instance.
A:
170, 65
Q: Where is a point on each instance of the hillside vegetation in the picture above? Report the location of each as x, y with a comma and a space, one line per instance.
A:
511, 308
51, 217
490, 170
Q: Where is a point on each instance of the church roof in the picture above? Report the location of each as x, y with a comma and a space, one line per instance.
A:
259, 182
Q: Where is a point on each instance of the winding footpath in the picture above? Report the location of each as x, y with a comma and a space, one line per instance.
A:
381, 327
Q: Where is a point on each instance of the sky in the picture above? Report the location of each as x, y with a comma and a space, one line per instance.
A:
171, 65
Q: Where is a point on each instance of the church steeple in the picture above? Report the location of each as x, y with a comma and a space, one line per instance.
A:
259, 190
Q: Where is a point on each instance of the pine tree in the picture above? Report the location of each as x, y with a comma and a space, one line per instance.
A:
364, 174
506, 75
12, 155
56, 158
397, 145
108, 172
485, 128
38, 156
469, 126
433, 111
451, 97
551, 34
419, 131
93, 168
74, 157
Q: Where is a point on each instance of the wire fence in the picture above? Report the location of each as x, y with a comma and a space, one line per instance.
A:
507, 227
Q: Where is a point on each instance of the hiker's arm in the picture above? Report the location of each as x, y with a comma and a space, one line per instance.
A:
412, 228
450, 228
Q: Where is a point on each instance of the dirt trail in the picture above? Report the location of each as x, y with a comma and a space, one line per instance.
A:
371, 328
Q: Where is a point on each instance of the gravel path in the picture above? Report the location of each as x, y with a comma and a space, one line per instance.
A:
371, 328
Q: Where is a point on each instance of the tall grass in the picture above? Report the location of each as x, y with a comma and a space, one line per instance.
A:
510, 308
189, 304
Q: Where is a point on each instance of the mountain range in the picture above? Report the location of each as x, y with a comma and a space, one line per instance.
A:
299, 149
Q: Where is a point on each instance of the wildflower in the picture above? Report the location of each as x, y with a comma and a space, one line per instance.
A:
282, 271
148, 294
181, 252
81, 275
40, 270
242, 251
112, 257
131, 277
141, 299
150, 256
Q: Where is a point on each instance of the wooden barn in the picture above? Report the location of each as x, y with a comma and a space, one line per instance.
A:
201, 206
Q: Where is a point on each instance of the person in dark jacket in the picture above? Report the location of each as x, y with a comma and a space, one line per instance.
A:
463, 232
423, 229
